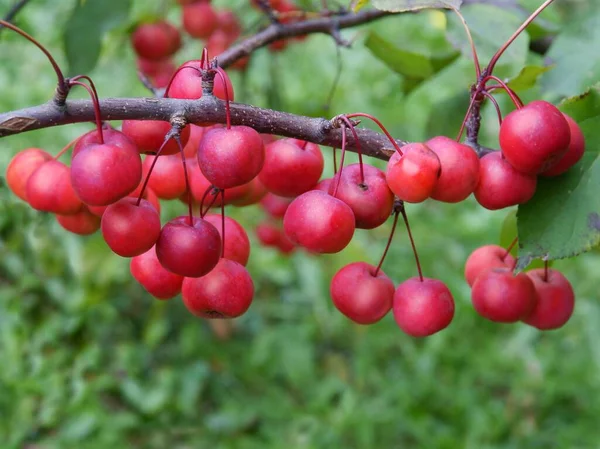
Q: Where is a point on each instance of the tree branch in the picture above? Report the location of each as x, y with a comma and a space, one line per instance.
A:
276, 31
211, 110
12, 12
205, 110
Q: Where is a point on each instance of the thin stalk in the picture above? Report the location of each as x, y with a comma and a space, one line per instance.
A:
95, 101
147, 179
510, 40
223, 223
511, 93
510, 247
55, 66
490, 97
358, 148
470, 38
412, 243
378, 123
186, 177
389, 242
66, 148
339, 174
221, 73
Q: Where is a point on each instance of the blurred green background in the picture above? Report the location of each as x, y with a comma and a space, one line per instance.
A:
90, 360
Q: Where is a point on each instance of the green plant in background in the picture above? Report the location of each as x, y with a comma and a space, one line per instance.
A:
91, 360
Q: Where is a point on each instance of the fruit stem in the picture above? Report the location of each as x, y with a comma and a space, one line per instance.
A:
223, 223
510, 247
204, 58
358, 148
334, 161
378, 123
62, 84
545, 271
69, 145
166, 94
467, 114
214, 199
412, 241
339, 174
221, 73
513, 96
96, 103
204, 195
389, 242
186, 177
490, 97
147, 179
510, 40
470, 38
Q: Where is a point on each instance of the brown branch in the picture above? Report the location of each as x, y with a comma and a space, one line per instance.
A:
205, 110
276, 31
11, 14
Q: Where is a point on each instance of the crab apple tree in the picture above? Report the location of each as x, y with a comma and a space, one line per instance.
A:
189, 146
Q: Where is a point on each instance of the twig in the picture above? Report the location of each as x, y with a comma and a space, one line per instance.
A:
326, 25
206, 109
12, 12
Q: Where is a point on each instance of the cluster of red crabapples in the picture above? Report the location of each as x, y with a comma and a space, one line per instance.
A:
155, 43
203, 256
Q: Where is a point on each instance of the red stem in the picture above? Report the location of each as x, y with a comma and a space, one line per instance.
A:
186, 177
223, 223
513, 96
204, 58
55, 66
545, 271
96, 103
66, 148
358, 148
467, 114
412, 242
389, 242
490, 97
510, 247
339, 174
221, 73
510, 40
473, 49
204, 195
378, 123
214, 199
334, 161
150, 172
166, 94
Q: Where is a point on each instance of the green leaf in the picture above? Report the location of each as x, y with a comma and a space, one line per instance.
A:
527, 77
575, 54
357, 5
563, 218
508, 232
415, 47
413, 5
405, 62
86, 27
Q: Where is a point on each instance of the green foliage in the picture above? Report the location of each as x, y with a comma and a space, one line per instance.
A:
414, 5
562, 219
582, 34
527, 77
91, 361
89, 22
